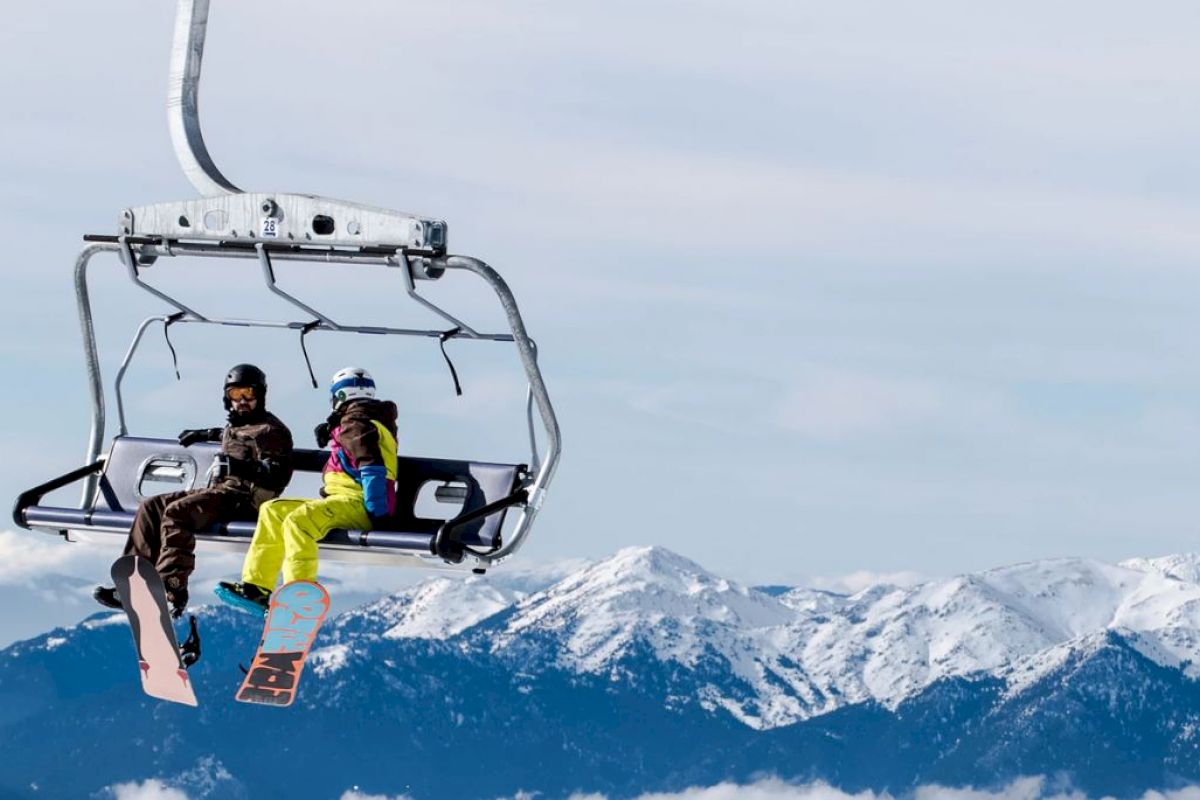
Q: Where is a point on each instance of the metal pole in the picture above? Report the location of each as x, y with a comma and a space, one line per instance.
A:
268, 272
411, 288
130, 259
525, 348
92, 360
122, 428
183, 101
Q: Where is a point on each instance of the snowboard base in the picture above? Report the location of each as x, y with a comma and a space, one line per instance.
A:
145, 602
296, 613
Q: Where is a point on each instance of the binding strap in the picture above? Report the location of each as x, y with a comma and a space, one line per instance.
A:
189, 651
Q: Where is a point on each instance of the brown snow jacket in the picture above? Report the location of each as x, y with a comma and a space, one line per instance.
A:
263, 439
358, 436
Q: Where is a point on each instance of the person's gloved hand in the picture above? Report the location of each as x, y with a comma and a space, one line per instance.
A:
375, 491
321, 432
324, 431
177, 595
192, 435
246, 468
178, 600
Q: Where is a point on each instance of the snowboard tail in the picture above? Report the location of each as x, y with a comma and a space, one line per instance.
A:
145, 602
295, 615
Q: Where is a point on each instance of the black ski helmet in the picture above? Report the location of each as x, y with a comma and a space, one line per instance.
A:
246, 375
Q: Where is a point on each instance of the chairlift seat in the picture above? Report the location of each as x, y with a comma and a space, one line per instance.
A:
137, 468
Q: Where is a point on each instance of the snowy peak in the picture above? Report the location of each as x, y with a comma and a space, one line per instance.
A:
1182, 567
1066, 597
651, 582
434, 609
445, 605
605, 606
648, 600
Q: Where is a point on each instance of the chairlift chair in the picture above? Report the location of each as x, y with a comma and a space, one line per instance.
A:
226, 222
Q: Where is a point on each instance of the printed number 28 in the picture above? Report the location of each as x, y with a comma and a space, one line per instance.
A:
270, 227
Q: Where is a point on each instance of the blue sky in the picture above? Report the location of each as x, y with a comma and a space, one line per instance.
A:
881, 287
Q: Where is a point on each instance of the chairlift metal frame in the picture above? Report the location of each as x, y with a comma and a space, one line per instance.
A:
226, 222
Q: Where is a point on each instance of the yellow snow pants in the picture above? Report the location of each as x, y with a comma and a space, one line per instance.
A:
287, 533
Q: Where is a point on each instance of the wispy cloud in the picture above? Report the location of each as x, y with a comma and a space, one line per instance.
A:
841, 404
152, 789
27, 557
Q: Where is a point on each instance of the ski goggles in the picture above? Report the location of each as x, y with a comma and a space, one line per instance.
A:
236, 393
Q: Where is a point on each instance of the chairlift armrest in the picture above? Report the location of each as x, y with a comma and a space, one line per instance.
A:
447, 545
33, 497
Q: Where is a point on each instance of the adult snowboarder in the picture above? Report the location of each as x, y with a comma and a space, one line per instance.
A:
358, 488
254, 465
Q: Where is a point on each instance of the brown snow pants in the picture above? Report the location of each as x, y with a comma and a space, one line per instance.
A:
164, 529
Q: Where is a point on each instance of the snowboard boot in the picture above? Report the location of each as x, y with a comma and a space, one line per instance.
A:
108, 597
244, 596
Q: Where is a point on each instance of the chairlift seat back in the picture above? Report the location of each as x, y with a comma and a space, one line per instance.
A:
137, 468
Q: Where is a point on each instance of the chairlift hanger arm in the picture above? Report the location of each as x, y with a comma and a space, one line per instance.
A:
183, 101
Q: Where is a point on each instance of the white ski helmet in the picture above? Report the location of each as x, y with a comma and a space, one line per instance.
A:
350, 383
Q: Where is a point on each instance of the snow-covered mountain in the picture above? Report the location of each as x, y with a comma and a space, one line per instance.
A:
802, 653
587, 678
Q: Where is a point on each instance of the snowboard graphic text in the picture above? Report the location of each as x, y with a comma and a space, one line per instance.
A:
296, 613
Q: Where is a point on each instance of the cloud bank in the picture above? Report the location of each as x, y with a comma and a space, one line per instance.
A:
1032, 788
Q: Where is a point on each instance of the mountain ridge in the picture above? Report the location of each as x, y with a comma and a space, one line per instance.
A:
586, 681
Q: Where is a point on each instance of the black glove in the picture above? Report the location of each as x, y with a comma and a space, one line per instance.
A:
177, 596
322, 434
178, 600
245, 468
192, 435
324, 431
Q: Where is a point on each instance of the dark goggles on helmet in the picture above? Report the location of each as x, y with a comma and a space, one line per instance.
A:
236, 393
